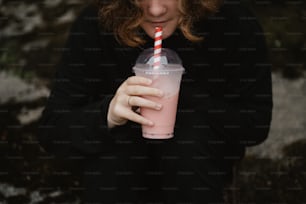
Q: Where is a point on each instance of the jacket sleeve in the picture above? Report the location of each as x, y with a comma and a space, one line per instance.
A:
74, 119
241, 112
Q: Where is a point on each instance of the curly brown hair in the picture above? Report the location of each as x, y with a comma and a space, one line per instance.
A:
123, 17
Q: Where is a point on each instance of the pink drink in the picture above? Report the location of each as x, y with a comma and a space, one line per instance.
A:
167, 77
164, 119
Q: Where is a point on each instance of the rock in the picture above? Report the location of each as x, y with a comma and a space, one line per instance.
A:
27, 116
27, 18
52, 3
9, 191
35, 45
68, 17
16, 92
288, 118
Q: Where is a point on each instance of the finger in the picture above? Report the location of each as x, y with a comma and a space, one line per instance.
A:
132, 116
137, 110
137, 90
142, 102
138, 80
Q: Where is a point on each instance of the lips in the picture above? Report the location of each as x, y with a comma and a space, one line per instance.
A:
158, 23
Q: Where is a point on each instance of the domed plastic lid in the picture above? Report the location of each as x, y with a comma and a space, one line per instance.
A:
168, 58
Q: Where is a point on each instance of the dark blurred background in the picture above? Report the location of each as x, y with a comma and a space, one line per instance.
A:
32, 33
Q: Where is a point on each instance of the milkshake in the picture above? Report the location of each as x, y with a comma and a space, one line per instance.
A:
164, 119
167, 78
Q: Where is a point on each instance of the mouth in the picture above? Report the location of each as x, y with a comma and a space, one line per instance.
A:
158, 23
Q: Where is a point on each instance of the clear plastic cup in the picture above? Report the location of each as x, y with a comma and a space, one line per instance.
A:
167, 78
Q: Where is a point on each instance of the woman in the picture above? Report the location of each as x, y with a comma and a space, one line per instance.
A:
224, 105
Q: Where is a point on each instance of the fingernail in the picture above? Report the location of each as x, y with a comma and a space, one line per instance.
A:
149, 81
158, 106
150, 123
160, 93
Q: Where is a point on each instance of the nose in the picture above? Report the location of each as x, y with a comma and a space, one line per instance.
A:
156, 8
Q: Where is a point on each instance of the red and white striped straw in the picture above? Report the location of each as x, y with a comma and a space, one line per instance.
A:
157, 47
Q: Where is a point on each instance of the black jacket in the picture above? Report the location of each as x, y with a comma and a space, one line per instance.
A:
224, 105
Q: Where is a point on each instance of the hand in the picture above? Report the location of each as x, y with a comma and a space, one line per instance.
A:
128, 96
